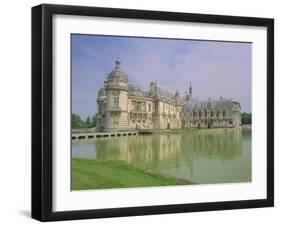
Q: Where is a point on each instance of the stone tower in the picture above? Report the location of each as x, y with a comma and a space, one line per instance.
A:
116, 88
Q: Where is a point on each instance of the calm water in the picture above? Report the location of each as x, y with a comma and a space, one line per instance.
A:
213, 156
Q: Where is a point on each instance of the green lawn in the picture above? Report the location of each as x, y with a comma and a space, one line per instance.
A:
96, 174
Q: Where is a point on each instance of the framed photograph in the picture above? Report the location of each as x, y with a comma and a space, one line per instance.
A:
145, 112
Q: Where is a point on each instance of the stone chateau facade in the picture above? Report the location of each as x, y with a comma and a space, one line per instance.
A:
124, 107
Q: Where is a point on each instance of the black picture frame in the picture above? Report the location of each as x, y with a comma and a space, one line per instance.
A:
42, 106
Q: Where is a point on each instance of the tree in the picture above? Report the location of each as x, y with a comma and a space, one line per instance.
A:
77, 122
88, 122
246, 118
94, 121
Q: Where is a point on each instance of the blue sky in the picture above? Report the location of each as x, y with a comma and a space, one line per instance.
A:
214, 68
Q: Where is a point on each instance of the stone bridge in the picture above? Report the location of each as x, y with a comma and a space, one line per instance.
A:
81, 135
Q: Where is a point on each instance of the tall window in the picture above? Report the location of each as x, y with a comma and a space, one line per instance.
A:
116, 102
194, 113
138, 106
143, 106
134, 106
100, 108
218, 113
224, 113
149, 107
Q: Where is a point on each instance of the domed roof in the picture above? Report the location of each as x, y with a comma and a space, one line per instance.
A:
101, 92
117, 73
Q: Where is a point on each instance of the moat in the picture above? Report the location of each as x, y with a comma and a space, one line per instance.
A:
199, 156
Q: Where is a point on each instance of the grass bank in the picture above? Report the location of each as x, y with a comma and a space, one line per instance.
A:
97, 174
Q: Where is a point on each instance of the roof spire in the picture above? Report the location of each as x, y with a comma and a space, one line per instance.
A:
117, 63
190, 89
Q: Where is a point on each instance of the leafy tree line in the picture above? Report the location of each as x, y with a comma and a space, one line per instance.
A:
78, 123
246, 118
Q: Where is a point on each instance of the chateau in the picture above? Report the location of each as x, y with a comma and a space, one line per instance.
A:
123, 107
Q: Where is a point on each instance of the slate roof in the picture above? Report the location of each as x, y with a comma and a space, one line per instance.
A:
101, 92
222, 104
136, 91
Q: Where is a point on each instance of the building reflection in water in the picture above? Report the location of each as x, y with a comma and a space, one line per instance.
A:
201, 156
